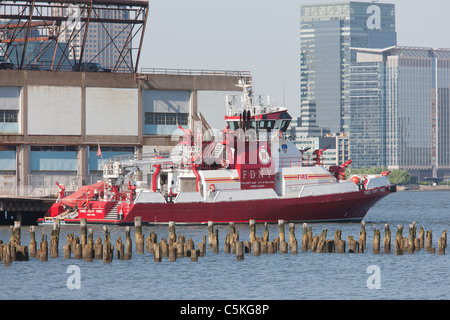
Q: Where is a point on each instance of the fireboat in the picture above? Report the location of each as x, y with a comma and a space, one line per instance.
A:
249, 171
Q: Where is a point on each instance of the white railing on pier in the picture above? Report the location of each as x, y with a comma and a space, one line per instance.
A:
196, 72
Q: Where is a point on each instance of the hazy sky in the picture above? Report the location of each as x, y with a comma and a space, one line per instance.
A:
263, 37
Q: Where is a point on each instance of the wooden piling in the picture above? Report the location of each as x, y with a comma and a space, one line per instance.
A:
194, 255
172, 253
444, 236
256, 248
337, 238
252, 227
139, 237
387, 239
78, 253
270, 247
202, 249
151, 239
43, 256
108, 252
264, 246
421, 237
363, 236
314, 243
310, 238
120, 249
216, 241
66, 251
239, 250
293, 245
54, 239
226, 245
360, 245
210, 234
164, 246
305, 238
179, 249
83, 226
128, 244
156, 252
321, 246
398, 246
32, 249
90, 252
411, 237
352, 245
442, 243
6, 256
284, 247
429, 240
265, 233
399, 238
340, 248
16, 233
98, 249
376, 240
281, 231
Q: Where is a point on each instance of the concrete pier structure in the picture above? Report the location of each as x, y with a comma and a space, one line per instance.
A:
52, 123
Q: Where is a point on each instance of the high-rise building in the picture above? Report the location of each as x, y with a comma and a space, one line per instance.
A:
328, 32
108, 44
400, 109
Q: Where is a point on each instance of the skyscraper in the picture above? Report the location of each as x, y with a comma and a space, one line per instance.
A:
400, 103
106, 43
328, 32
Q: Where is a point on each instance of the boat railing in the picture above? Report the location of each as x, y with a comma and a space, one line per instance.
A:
287, 162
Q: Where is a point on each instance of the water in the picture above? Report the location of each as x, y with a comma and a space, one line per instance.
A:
268, 277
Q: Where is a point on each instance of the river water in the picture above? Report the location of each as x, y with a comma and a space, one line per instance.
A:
219, 276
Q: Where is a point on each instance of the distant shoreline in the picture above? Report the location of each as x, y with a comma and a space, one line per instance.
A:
418, 187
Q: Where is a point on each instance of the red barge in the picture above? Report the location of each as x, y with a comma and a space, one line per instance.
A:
250, 170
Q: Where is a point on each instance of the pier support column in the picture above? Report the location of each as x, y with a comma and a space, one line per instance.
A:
82, 165
22, 165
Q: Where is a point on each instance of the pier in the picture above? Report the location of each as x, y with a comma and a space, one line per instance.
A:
24, 209
175, 246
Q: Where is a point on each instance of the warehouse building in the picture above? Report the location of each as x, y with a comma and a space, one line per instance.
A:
59, 126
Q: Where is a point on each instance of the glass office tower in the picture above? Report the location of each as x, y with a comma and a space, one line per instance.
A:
367, 114
328, 31
400, 103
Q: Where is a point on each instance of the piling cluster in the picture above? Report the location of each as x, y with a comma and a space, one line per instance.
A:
177, 247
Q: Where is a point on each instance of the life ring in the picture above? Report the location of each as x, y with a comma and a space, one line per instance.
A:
280, 134
223, 163
84, 204
212, 188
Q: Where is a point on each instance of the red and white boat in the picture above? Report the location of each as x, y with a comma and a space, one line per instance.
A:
249, 171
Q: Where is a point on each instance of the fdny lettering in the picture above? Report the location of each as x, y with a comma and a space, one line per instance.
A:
302, 176
253, 174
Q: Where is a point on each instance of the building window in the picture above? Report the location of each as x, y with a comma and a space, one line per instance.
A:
157, 118
9, 116
54, 148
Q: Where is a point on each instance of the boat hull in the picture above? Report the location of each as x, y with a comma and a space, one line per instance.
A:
342, 207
